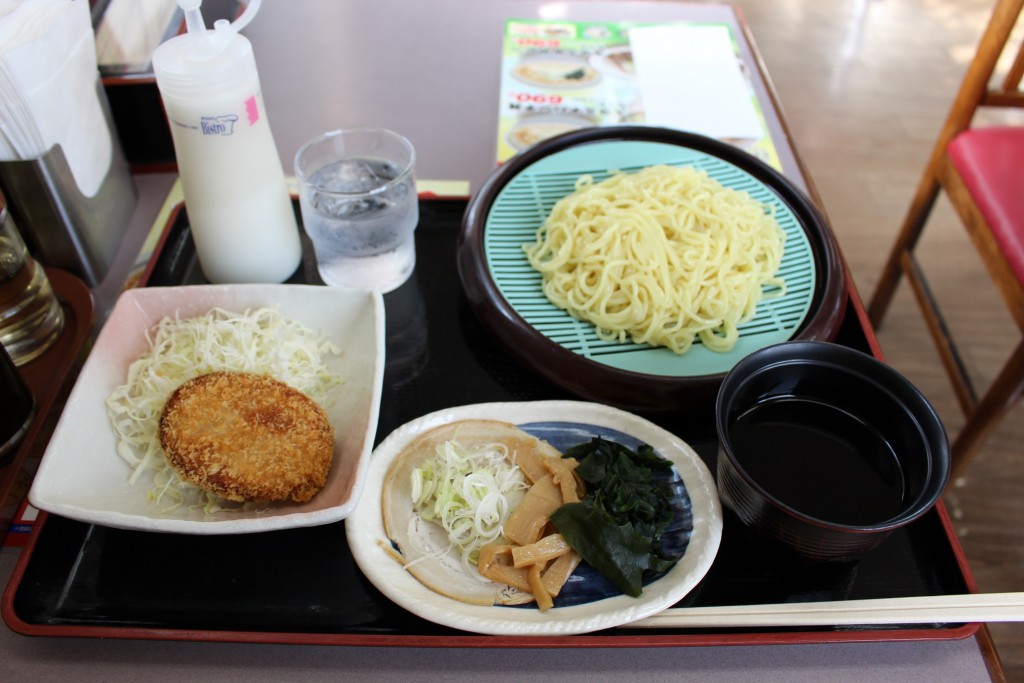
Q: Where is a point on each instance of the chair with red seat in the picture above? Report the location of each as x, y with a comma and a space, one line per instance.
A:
981, 171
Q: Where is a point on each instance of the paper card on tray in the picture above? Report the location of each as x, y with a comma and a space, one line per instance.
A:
559, 76
690, 79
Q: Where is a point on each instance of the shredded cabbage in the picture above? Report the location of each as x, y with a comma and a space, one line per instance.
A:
260, 341
470, 493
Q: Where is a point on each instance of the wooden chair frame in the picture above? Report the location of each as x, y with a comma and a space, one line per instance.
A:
976, 91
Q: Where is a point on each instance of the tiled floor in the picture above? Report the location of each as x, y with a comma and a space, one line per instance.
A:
865, 85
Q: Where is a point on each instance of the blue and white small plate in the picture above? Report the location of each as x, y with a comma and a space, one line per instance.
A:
588, 603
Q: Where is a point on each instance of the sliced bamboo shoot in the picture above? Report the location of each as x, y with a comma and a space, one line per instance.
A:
526, 523
544, 550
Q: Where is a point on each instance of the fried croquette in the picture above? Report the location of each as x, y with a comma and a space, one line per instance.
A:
247, 437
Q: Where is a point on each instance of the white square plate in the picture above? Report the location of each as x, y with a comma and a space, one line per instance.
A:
81, 475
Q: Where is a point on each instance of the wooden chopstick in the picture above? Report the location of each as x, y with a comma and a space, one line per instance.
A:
967, 608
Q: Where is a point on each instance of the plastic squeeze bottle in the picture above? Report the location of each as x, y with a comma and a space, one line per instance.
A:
235, 192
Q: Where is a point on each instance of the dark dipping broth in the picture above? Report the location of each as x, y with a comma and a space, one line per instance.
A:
819, 460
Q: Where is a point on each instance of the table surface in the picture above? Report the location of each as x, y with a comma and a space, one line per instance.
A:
452, 43
439, 86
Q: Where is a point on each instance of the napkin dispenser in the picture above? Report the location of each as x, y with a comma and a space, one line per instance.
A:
63, 227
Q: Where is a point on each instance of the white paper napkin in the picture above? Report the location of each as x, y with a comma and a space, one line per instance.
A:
48, 88
690, 79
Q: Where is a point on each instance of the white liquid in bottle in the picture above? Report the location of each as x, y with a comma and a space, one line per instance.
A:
237, 200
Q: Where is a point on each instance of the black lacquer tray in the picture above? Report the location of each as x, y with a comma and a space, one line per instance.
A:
302, 586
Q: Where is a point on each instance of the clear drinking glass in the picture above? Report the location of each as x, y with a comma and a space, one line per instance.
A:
359, 206
31, 317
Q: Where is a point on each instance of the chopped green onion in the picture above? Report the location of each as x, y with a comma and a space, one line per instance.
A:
469, 492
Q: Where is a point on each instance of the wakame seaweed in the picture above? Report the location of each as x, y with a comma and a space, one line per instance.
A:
618, 527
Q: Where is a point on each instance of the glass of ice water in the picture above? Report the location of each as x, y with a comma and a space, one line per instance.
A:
359, 206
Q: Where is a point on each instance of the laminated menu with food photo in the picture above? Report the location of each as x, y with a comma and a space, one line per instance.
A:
559, 76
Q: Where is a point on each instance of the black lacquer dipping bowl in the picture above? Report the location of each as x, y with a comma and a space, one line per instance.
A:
826, 449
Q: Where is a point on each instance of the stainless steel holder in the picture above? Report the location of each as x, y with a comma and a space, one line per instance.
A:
64, 228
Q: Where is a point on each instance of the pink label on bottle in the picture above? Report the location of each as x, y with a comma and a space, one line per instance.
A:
252, 110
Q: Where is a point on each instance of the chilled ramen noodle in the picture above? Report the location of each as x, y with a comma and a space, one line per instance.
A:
665, 256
